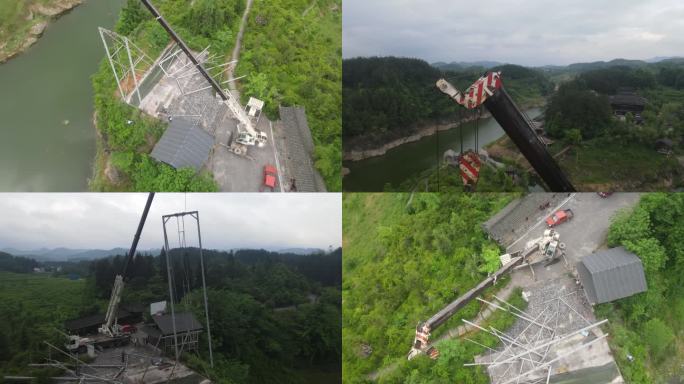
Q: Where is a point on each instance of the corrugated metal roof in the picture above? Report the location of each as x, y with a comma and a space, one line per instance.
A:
185, 322
612, 274
625, 99
300, 147
183, 145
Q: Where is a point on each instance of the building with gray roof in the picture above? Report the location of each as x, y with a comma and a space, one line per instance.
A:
161, 334
183, 144
298, 152
611, 275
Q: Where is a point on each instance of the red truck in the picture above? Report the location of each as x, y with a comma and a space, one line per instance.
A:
270, 175
559, 217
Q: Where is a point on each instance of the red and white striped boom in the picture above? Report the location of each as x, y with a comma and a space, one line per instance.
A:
477, 93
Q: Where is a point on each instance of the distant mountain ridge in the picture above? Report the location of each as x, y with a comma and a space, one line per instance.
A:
580, 67
460, 65
69, 254
301, 251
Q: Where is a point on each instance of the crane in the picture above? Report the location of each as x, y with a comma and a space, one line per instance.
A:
110, 327
548, 243
247, 134
489, 91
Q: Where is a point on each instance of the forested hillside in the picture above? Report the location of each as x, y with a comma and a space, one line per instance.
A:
405, 258
275, 317
579, 114
387, 97
648, 327
10, 263
33, 305
292, 55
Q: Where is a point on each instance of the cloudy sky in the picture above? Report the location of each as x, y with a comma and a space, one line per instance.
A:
105, 221
527, 32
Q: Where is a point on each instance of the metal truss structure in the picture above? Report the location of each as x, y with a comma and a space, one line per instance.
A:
177, 65
128, 63
180, 225
541, 338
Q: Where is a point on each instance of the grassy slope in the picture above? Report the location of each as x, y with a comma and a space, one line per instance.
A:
294, 58
386, 250
15, 23
602, 164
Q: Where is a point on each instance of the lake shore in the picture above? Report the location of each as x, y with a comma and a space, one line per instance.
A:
422, 131
40, 15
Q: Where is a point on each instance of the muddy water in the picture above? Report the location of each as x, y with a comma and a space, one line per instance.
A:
47, 138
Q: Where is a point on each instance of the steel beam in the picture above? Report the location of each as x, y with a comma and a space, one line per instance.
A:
512, 120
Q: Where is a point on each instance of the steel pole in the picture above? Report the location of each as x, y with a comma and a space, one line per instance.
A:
204, 290
168, 271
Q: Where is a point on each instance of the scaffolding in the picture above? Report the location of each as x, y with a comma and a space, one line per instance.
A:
128, 63
180, 226
541, 338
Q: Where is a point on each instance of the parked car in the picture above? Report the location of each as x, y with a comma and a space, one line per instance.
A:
559, 217
270, 176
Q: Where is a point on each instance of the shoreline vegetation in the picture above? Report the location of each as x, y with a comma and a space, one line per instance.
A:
24, 25
421, 131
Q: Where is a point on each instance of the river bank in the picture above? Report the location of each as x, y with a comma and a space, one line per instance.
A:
422, 131
35, 23
48, 136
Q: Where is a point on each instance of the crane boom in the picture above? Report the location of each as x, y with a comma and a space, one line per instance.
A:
421, 341
184, 48
112, 309
489, 91
248, 135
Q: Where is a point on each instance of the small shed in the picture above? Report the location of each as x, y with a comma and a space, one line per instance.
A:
611, 275
187, 331
183, 145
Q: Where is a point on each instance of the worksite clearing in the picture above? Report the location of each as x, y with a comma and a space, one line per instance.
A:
554, 292
217, 134
557, 338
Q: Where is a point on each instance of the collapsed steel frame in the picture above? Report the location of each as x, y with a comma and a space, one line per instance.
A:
180, 216
125, 59
528, 352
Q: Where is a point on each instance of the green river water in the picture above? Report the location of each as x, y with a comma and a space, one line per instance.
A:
47, 137
407, 160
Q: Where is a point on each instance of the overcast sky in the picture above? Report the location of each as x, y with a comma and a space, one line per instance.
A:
527, 32
105, 221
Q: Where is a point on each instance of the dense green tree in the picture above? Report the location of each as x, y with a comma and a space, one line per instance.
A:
658, 336
132, 14
574, 106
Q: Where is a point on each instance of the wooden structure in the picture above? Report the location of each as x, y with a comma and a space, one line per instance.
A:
162, 336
